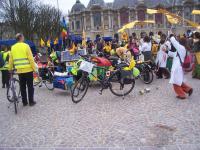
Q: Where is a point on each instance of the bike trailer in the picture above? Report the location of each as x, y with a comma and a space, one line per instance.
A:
63, 83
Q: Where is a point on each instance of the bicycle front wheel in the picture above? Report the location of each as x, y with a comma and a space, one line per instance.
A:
10, 93
121, 89
15, 105
79, 90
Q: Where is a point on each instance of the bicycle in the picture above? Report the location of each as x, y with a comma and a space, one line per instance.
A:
123, 80
44, 76
13, 94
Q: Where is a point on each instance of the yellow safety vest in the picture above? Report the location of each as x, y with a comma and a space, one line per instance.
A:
5, 55
19, 54
6, 65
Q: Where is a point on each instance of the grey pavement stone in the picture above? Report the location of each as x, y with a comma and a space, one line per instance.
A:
65, 149
82, 148
10, 148
172, 147
98, 148
120, 148
43, 149
151, 148
190, 147
132, 148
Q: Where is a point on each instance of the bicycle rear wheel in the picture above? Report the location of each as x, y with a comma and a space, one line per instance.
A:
10, 95
49, 81
120, 89
147, 76
79, 90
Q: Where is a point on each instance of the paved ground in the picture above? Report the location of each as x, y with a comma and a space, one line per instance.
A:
154, 121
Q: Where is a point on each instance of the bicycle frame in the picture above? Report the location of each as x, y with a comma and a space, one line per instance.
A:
105, 81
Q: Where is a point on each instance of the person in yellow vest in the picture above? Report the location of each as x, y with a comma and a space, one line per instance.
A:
21, 59
4, 69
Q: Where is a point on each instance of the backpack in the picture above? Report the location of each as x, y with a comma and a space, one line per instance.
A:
2, 61
187, 63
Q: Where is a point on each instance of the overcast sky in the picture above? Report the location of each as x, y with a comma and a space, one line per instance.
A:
66, 5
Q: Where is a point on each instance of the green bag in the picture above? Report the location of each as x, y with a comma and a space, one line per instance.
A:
169, 63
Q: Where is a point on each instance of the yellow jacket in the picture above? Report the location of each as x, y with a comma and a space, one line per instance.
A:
107, 48
22, 48
5, 55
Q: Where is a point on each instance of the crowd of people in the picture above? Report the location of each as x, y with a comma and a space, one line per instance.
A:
167, 50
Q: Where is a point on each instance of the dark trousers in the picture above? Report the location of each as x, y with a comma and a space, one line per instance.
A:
5, 77
26, 80
163, 71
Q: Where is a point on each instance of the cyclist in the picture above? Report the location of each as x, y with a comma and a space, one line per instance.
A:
21, 58
4, 69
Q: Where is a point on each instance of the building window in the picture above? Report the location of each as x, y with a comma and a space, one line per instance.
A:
97, 19
124, 16
78, 25
187, 13
159, 18
141, 15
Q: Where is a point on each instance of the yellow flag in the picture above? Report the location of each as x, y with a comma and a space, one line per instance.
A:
152, 11
196, 12
121, 30
172, 20
84, 39
149, 21
130, 25
42, 43
56, 41
48, 43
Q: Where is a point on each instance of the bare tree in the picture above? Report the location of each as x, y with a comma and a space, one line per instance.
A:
48, 21
30, 18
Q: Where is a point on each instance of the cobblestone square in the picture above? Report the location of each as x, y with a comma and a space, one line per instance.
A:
153, 121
